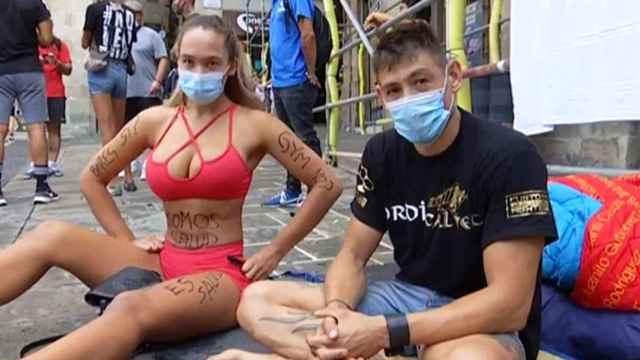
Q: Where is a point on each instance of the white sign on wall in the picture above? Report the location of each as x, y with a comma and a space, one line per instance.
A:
249, 23
573, 65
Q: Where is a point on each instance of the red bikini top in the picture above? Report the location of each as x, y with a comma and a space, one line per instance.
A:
225, 177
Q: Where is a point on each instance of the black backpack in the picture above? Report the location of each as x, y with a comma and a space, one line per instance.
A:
323, 37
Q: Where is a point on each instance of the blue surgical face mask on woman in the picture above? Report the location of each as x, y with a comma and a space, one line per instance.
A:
201, 88
421, 118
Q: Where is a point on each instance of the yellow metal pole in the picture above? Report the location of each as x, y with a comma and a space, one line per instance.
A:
249, 62
361, 83
332, 77
494, 32
263, 57
455, 44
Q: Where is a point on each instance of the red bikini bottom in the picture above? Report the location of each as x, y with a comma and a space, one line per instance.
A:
175, 262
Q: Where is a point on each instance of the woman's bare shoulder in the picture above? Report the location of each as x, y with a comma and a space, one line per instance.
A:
155, 117
254, 117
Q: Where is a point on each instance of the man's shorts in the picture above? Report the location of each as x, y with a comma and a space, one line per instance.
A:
398, 297
29, 90
111, 80
57, 110
136, 105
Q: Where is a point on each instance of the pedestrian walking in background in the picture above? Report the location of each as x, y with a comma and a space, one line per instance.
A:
25, 24
56, 62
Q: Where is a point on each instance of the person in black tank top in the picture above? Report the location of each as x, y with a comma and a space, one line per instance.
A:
465, 205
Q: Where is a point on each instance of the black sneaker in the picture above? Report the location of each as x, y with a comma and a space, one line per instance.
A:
3, 201
45, 196
130, 186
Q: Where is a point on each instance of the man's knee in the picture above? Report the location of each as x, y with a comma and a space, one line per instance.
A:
474, 349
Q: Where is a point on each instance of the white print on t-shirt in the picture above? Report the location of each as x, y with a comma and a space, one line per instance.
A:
439, 219
117, 31
440, 212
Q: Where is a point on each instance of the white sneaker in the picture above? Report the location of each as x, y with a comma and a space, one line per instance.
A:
29, 174
135, 166
55, 169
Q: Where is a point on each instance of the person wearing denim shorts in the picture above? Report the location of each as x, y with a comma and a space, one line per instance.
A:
21, 79
110, 29
465, 206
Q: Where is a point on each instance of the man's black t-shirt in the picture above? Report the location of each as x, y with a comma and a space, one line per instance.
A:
18, 38
442, 212
113, 27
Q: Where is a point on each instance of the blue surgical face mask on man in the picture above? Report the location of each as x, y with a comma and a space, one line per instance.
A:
421, 118
201, 88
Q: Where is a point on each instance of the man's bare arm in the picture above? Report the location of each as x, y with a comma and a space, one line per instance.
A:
163, 69
64, 68
346, 279
86, 39
377, 19
308, 40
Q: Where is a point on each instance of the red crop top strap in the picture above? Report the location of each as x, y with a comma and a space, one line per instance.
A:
166, 130
192, 137
196, 135
232, 115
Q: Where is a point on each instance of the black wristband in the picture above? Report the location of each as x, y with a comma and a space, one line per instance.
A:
399, 335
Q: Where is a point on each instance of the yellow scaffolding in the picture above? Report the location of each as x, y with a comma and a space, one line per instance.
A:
455, 17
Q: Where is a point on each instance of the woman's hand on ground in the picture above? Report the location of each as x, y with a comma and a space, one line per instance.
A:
261, 264
152, 243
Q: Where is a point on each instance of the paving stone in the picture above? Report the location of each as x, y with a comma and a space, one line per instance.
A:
55, 305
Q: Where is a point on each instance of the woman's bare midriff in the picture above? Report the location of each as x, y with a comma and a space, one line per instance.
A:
196, 224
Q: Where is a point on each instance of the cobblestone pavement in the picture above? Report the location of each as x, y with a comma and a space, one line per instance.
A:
55, 305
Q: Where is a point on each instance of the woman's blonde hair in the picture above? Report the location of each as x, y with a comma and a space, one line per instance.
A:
239, 87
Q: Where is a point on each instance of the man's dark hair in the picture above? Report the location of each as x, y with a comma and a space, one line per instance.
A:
405, 42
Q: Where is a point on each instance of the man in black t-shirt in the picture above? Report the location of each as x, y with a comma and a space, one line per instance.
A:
465, 205
25, 24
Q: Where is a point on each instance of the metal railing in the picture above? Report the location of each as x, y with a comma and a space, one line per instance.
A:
344, 102
363, 38
562, 170
356, 24
495, 66
396, 19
